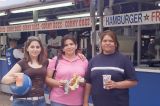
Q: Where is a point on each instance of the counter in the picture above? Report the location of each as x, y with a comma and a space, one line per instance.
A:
147, 92
147, 69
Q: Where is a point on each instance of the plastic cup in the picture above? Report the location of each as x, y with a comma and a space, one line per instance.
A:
105, 79
19, 79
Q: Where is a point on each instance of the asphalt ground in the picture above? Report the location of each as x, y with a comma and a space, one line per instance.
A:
5, 99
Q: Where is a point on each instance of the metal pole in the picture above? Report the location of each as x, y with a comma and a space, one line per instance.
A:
139, 41
93, 34
139, 45
35, 19
100, 9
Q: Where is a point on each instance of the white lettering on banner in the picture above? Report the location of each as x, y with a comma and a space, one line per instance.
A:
51, 25
136, 18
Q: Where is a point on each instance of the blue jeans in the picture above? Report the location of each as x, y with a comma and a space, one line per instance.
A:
57, 104
21, 102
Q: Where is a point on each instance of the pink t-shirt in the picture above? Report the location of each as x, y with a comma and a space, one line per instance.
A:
65, 70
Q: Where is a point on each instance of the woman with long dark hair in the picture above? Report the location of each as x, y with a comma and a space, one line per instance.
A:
34, 64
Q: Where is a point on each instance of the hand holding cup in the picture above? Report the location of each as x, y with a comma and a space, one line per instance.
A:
19, 79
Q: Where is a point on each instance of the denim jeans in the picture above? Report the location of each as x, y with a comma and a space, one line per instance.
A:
21, 102
58, 104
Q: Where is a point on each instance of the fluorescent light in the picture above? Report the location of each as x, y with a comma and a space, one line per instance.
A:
157, 3
73, 15
42, 7
26, 21
77, 15
2, 13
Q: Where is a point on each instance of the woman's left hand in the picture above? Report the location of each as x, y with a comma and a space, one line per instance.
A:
120, 84
82, 82
81, 56
110, 84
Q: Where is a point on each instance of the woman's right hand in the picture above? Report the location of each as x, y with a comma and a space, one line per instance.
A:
61, 83
10, 79
13, 78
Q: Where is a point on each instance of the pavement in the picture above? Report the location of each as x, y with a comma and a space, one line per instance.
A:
5, 99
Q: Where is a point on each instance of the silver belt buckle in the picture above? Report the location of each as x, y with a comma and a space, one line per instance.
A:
22, 98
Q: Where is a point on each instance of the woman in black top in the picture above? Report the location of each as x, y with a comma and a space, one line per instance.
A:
34, 65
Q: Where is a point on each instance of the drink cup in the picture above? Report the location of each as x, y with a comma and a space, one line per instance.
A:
19, 79
105, 79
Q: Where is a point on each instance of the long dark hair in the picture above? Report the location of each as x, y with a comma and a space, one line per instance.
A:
112, 35
42, 56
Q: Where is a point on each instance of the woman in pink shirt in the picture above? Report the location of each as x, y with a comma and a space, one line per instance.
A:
69, 66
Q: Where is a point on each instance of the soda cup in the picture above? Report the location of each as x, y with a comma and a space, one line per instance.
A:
19, 79
105, 79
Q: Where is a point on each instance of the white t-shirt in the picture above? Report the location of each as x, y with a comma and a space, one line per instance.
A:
54, 42
18, 54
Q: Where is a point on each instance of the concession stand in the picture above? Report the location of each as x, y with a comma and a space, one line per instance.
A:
134, 29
